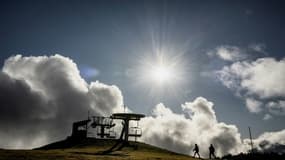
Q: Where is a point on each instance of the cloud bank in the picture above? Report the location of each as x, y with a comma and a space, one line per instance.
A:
41, 96
198, 124
259, 82
270, 142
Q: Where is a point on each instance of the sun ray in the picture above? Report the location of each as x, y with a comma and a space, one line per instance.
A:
161, 74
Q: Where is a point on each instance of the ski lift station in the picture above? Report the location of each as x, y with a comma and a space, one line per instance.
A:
100, 127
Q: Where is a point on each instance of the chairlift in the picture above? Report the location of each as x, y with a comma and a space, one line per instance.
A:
112, 133
135, 131
103, 126
95, 122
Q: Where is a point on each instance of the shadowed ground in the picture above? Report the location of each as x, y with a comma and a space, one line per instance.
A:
92, 149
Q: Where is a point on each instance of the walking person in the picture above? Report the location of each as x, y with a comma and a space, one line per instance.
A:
212, 151
196, 151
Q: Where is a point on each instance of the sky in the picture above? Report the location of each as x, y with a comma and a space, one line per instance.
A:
159, 58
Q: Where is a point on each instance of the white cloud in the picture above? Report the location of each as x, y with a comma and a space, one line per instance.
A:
267, 117
228, 53
277, 108
43, 95
198, 124
234, 53
270, 142
253, 105
263, 79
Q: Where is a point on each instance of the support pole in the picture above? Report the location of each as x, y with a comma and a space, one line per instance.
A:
126, 130
250, 139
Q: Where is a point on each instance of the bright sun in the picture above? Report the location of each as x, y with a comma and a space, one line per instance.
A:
161, 74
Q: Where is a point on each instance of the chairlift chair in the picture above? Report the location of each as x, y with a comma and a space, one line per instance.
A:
135, 131
112, 133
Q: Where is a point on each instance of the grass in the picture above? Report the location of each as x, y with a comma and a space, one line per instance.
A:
92, 150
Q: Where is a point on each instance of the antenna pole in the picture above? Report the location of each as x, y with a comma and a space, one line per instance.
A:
250, 139
87, 123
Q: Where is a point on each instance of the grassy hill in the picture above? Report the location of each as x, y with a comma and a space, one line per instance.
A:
91, 149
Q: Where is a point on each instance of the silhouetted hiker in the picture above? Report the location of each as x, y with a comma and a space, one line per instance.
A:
212, 151
196, 150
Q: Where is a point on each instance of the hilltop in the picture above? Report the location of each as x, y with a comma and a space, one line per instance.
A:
91, 149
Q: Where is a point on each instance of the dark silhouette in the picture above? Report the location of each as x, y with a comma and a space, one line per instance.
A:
105, 126
79, 130
123, 141
196, 150
212, 151
255, 156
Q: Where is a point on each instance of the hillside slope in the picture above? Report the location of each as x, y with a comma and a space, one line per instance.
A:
92, 149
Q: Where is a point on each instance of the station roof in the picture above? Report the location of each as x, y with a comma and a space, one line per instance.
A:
81, 123
127, 116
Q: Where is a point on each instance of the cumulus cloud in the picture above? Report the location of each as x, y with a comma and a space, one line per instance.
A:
199, 118
253, 105
228, 53
198, 124
42, 96
277, 108
270, 142
262, 78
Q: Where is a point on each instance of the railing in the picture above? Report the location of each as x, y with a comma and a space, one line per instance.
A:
135, 132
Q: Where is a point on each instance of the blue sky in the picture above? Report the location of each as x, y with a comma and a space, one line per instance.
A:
110, 39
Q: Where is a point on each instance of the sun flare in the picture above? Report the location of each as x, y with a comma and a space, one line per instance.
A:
162, 71
161, 74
